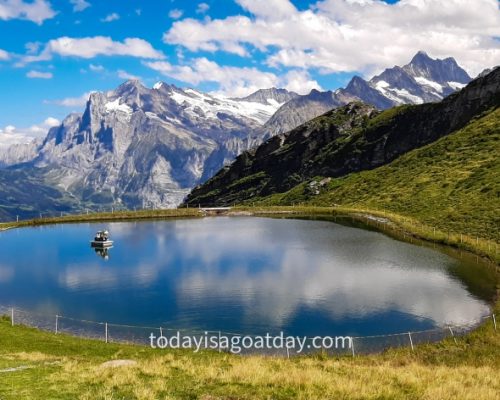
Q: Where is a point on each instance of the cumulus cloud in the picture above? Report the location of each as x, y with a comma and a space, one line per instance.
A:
32, 47
268, 9
299, 81
36, 11
79, 101
96, 68
11, 135
351, 35
4, 55
125, 75
233, 81
39, 75
42, 128
79, 5
90, 47
202, 8
175, 13
110, 18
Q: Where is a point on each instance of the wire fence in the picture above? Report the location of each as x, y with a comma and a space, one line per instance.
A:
234, 342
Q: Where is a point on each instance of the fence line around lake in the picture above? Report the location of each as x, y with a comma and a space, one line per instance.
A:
132, 334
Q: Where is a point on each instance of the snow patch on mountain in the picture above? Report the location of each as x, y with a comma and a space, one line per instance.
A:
456, 85
116, 106
427, 82
398, 96
194, 101
410, 98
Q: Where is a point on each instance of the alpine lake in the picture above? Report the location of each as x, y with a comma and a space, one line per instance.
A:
250, 275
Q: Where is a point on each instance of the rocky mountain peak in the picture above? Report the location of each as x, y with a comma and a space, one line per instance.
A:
422, 80
130, 85
436, 70
420, 57
267, 96
485, 72
356, 83
348, 139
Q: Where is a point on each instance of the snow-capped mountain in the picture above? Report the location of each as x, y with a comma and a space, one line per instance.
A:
272, 96
422, 80
258, 107
137, 146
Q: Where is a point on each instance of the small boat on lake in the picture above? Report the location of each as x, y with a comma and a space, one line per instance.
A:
101, 239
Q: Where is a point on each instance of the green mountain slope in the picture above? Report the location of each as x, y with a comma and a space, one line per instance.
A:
453, 183
348, 139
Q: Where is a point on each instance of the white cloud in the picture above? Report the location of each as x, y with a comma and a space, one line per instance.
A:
51, 121
202, 8
36, 11
79, 5
96, 68
233, 81
79, 101
41, 129
268, 9
4, 55
111, 17
10, 135
352, 35
299, 81
125, 75
32, 47
175, 13
9, 129
39, 75
90, 47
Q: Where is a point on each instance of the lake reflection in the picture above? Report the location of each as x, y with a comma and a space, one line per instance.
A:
240, 274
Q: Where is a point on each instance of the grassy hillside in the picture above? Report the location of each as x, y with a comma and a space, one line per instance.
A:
343, 141
39, 365
452, 184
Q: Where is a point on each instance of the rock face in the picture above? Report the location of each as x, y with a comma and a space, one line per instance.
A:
422, 80
348, 139
299, 110
270, 96
19, 153
141, 147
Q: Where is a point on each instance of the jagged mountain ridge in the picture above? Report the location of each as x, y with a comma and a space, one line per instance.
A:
422, 80
348, 139
269, 96
136, 146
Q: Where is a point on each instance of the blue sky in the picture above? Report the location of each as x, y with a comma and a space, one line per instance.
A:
53, 52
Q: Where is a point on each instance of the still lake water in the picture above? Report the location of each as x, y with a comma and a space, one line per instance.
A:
241, 274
